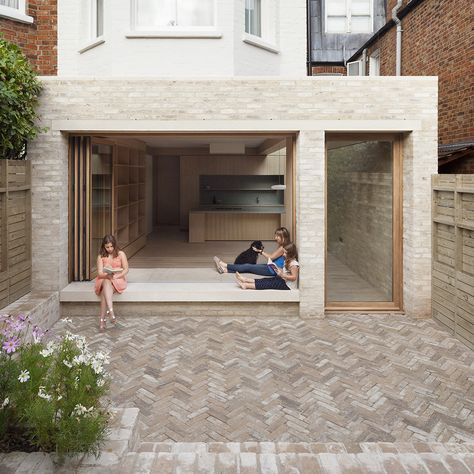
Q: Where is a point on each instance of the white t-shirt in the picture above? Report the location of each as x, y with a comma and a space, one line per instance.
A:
292, 285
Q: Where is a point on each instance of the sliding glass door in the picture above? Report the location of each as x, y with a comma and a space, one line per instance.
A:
363, 223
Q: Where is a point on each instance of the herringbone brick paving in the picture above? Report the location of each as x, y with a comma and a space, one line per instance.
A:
348, 378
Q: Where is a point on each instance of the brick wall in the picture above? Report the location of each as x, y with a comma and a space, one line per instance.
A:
311, 104
38, 40
328, 69
437, 41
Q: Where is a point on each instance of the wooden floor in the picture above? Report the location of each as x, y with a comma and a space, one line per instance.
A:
168, 248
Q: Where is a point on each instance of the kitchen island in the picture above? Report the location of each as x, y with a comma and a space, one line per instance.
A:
234, 222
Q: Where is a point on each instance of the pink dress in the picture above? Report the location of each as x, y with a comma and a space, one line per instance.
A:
119, 284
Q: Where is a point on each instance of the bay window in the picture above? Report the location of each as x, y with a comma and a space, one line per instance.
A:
173, 14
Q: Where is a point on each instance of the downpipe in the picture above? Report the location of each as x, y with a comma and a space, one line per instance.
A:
398, 54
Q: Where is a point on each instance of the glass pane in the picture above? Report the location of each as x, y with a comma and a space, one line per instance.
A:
360, 7
10, 3
253, 17
100, 18
361, 24
155, 13
336, 24
195, 13
336, 7
359, 221
101, 163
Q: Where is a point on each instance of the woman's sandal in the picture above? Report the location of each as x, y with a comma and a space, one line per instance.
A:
113, 319
102, 324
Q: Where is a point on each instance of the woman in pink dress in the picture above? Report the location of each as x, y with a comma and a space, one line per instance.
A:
106, 284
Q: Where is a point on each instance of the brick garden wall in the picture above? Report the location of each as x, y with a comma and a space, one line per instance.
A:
38, 40
437, 40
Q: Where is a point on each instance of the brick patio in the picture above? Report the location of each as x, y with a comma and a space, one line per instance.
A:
346, 379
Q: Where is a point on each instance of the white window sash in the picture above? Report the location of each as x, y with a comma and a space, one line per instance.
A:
348, 17
136, 28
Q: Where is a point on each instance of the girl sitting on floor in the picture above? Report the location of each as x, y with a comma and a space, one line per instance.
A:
286, 279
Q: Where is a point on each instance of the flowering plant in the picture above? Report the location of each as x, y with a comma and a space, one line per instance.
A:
50, 390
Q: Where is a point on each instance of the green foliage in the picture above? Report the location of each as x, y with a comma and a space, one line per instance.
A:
19, 91
50, 393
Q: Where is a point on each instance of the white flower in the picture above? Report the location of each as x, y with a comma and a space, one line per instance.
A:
66, 320
97, 367
43, 394
60, 397
80, 359
67, 363
101, 383
5, 402
81, 410
24, 376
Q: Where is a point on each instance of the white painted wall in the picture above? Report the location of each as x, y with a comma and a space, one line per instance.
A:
227, 55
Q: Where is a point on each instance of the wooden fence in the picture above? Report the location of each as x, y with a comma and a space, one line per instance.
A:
453, 254
15, 230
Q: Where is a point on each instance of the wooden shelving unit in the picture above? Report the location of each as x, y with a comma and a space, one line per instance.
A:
129, 198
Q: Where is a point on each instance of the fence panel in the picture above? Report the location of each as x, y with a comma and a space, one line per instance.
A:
453, 254
15, 230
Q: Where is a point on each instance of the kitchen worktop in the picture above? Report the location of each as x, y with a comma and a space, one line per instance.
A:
240, 209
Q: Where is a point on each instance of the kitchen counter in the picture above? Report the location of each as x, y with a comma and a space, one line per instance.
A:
241, 209
234, 222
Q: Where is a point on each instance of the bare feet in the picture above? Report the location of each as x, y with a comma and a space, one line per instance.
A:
242, 285
239, 277
102, 323
218, 263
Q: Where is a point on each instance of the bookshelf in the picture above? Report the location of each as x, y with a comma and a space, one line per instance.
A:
129, 198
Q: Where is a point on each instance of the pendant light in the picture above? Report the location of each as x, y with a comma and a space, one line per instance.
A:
280, 186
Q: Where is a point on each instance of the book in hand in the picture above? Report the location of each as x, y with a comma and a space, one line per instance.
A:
272, 266
111, 271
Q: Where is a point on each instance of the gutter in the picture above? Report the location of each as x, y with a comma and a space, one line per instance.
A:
388, 26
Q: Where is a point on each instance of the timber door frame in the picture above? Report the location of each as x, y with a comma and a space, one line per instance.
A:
397, 227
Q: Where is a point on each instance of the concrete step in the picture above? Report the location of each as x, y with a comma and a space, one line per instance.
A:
296, 463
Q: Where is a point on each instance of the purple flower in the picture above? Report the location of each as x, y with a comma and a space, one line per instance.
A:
38, 334
22, 317
11, 345
17, 326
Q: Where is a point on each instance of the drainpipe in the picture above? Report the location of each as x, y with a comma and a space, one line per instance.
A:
309, 58
399, 37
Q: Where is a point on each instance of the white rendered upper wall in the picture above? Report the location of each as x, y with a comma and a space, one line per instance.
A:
138, 38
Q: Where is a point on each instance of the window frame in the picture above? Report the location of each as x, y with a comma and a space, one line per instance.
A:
348, 19
374, 60
173, 30
268, 28
94, 19
17, 14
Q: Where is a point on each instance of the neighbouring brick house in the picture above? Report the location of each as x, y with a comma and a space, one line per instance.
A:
32, 25
336, 29
437, 40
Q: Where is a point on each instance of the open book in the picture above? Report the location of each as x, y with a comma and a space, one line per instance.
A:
272, 266
111, 271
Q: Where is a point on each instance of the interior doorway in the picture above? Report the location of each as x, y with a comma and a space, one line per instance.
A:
363, 223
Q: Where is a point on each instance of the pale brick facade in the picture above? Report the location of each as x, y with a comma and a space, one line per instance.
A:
309, 106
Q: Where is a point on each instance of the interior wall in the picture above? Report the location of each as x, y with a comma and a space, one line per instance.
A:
359, 212
166, 181
193, 166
